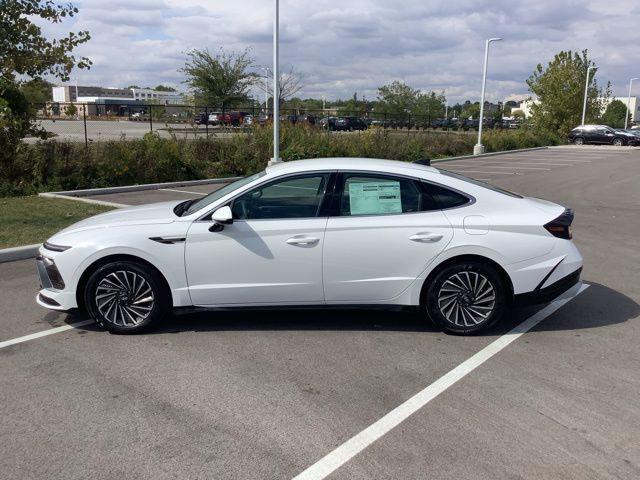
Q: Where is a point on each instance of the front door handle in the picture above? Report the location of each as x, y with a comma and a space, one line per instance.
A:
426, 237
303, 241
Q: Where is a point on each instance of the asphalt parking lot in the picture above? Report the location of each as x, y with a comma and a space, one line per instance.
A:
267, 394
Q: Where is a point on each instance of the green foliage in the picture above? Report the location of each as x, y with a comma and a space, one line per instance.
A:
25, 52
429, 104
52, 165
219, 79
614, 114
560, 91
397, 98
37, 91
23, 48
164, 88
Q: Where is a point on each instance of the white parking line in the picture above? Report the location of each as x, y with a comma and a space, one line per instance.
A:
44, 333
181, 191
480, 171
499, 166
345, 452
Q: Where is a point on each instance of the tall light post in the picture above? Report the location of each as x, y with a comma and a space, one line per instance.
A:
276, 86
479, 148
586, 92
626, 117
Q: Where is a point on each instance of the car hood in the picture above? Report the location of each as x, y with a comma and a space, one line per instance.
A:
154, 213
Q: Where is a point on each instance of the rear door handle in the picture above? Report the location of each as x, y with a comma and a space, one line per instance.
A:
302, 241
426, 237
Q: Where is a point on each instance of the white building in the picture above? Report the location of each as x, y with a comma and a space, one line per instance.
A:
155, 96
84, 94
634, 107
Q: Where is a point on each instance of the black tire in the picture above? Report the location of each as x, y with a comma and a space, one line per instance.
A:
475, 310
578, 141
618, 142
130, 310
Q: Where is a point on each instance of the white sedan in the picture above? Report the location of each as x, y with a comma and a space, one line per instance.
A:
336, 231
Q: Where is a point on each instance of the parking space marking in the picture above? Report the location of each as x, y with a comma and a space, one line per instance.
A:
499, 166
181, 191
481, 171
345, 452
44, 333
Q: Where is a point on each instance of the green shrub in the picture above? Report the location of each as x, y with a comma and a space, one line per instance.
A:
55, 165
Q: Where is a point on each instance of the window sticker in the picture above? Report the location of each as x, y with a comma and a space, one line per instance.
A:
371, 198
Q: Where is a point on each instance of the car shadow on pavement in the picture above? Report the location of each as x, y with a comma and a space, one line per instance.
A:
598, 306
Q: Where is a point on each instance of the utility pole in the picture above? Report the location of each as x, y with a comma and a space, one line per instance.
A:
276, 86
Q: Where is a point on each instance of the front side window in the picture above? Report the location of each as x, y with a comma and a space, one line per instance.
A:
291, 197
379, 195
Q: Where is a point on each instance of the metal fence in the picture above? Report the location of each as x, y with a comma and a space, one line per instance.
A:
87, 122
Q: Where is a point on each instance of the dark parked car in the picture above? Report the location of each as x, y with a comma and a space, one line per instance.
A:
328, 122
600, 135
349, 124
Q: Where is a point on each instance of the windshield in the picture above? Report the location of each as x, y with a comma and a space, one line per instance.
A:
479, 183
194, 206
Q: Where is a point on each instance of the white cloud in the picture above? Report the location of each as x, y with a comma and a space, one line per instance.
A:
360, 45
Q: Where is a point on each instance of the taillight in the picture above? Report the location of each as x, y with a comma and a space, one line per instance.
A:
561, 226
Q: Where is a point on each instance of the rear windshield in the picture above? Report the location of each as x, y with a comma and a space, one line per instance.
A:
479, 183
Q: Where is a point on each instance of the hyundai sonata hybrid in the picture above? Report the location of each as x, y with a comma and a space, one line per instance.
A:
320, 232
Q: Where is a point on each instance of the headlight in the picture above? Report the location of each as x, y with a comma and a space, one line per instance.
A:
55, 248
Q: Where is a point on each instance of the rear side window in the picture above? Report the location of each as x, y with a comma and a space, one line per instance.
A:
445, 198
479, 183
379, 195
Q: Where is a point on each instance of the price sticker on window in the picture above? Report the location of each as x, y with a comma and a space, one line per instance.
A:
374, 198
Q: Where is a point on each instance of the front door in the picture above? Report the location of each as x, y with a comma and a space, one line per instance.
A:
270, 254
386, 233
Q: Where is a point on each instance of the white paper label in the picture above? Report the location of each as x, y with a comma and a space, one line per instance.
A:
374, 198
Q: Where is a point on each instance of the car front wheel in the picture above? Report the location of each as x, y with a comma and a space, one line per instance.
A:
618, 142
126, 297
466, 297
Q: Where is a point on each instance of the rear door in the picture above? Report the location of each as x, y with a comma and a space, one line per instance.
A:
384, 232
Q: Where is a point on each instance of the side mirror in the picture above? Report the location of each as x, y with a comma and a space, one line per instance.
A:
222, 216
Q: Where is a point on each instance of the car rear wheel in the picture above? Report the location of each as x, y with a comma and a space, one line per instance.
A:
618, 142
578, 141
466, 297
126, 297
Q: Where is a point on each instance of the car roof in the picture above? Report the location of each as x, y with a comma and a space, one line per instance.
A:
349, 163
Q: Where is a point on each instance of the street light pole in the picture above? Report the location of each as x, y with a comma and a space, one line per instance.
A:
276, 86
479, 148
626, 117
586, 91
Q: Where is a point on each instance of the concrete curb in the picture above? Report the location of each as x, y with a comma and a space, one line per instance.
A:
490, 154
136, 188
82, 199
19, 253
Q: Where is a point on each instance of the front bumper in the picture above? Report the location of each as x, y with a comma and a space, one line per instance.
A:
52, 294
548, 293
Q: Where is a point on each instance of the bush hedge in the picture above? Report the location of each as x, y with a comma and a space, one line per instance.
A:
60, 165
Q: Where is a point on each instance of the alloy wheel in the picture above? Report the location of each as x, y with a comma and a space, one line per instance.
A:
467, 298
124, 298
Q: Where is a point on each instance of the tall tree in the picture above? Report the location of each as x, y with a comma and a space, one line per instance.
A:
220, 79
615, 113
559, 89
429, 105
397, 98
26, 53
289, 83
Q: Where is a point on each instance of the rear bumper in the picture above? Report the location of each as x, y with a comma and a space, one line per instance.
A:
548, 293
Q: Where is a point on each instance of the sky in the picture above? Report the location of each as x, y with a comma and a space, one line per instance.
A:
356, 46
